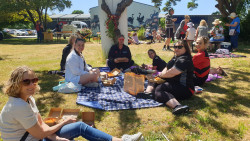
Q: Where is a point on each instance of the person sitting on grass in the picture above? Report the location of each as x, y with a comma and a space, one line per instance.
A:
179, 80
158, 63
66, 51
20, 118
135, 39
201, 61
119, 56
149, 36
77, 70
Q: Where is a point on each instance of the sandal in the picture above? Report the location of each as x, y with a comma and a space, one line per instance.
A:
222, 72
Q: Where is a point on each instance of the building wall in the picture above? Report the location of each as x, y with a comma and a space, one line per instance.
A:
139, 14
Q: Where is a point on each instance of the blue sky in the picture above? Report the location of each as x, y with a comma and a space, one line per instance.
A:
204, 8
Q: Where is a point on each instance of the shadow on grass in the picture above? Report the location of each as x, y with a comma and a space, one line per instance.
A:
129, 121
53, 99
232, 99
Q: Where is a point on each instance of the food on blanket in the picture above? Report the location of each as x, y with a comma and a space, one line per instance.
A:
158, 80
50, 121
116, 72
110, 74
108, 82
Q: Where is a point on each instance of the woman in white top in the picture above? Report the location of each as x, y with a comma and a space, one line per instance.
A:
21, 120
190, 35
77, 70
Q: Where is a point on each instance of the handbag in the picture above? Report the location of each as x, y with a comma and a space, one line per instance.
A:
232, 32
133, 83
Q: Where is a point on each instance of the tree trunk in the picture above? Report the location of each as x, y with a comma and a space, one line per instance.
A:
31, 17
45, 19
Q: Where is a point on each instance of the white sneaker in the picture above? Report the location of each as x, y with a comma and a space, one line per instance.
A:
135, 137
94, 85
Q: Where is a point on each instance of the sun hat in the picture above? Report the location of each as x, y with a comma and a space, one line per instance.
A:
216, 21
232, 15
190, 24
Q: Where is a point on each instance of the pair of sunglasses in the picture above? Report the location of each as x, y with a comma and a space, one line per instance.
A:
121, 39
26, 82
178, 47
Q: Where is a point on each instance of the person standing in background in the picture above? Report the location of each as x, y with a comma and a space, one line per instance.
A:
235, 24
181, 30
169, 22
39, 30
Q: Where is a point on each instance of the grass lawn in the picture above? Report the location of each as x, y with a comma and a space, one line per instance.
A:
220, 112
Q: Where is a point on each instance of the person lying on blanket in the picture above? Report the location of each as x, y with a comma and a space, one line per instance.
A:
201, 61
158, 63
77, 70
20, 118
179, 80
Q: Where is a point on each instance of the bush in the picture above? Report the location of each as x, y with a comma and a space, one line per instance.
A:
245, 28
140, 33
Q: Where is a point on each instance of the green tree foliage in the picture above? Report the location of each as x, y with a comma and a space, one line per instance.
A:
77, 12
32, 10
225, 7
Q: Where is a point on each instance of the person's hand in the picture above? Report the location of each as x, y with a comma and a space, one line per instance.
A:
70, 119
174, 19
227, 24
61, 139
116, 61
185, 38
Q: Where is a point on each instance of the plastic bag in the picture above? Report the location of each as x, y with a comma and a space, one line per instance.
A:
69, 88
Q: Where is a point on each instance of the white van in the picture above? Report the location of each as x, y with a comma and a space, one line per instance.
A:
79, 24
73, 28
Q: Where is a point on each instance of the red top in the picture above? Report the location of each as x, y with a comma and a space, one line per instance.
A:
185, 29
201, 63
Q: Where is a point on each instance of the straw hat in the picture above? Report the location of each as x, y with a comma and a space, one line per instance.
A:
216, 21
232, 15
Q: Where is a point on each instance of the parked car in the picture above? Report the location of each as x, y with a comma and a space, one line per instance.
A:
19, 33
11, 31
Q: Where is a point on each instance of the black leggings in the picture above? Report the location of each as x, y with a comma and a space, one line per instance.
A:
166, 91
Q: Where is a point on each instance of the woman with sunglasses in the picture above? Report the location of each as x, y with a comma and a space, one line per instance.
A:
158, 63
201, 61
77, 70
179, 80
20, 119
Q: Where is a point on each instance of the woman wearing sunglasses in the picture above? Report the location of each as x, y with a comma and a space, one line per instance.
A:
21, 120
179, 80
201, 61
77, 70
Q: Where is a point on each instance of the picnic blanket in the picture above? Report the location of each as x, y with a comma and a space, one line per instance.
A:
112, 98
231, 55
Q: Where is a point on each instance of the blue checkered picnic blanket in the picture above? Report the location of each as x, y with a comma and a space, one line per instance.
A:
112, 98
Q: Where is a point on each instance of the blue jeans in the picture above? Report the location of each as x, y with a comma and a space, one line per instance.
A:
39, 36
74, 130
234, 41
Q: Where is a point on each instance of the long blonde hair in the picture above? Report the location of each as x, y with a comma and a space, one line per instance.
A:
203, 23
13, 85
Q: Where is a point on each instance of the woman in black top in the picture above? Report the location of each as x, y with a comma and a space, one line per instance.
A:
66, 51
158, 63
179, 80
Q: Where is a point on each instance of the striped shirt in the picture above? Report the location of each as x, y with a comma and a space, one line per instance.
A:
168, 21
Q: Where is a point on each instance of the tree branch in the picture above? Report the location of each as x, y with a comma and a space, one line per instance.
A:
105, 7
121, 7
